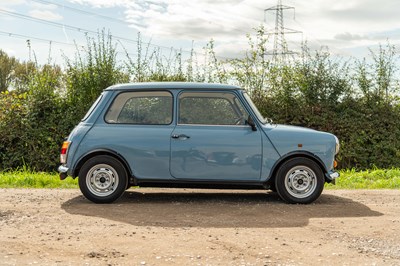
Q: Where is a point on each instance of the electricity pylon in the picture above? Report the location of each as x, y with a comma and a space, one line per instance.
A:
280, 51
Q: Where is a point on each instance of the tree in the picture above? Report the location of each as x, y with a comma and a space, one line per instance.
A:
7, 66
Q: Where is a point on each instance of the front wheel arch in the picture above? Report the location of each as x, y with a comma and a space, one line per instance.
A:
271, 180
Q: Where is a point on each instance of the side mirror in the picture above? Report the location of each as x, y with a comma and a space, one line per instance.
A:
251, 123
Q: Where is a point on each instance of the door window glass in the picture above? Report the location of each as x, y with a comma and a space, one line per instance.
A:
211, 108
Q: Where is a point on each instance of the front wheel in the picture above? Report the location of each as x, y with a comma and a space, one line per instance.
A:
102, 179
299, 180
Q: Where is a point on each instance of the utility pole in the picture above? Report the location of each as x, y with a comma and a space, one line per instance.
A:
280, 51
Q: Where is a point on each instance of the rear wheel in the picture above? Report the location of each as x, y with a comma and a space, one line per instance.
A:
299, 180
102, 179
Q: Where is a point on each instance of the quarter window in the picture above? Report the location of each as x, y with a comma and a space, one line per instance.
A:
145, 108
92, 108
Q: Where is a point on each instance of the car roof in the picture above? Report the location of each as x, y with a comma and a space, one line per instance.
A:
172, 85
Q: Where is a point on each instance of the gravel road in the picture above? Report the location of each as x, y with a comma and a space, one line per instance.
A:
199, 227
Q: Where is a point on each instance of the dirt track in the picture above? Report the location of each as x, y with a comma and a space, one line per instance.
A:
199, 227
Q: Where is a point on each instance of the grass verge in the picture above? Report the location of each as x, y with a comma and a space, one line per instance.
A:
30, 179
349, 179
368, 179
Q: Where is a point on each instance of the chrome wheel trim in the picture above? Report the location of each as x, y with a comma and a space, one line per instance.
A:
102, 180
300, 182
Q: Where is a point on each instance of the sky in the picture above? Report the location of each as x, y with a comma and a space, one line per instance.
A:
349, 28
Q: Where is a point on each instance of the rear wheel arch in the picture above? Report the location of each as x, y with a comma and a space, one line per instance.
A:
110, 153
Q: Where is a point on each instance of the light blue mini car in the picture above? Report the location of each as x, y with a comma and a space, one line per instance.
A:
193, 135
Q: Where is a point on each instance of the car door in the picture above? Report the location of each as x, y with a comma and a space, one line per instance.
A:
212, 140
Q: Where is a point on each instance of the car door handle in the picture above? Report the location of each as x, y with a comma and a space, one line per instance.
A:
181, 136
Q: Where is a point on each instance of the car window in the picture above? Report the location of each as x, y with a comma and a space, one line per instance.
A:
210, 108
253, 106
94, 105
145, 108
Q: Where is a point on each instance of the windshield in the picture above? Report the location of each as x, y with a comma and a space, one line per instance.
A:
255, 110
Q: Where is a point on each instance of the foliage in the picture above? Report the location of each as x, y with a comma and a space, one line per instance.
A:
24, 178
254, 70
22, 75
153, 65
34, 120
368, 179
358, 100
14, 74
357, 105
13, 112
7, 66
89, 74
30, 122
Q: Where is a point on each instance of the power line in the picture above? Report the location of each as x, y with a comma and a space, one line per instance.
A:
28, 38
21, 36
111, 18
50, 42
77, 10
87, 31
83, 30
81, 11
101, 16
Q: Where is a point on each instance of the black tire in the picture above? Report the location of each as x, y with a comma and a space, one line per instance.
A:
103, 179
299, 180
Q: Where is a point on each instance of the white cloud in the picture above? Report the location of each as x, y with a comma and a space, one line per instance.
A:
347, 36
45, 14
198, 20
44, 11
4, 3
102, 3
9, 6
340, 24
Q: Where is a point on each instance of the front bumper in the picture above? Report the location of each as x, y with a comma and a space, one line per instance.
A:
63, 172
331, 176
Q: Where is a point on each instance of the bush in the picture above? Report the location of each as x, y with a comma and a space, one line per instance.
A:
30, 122
354, 100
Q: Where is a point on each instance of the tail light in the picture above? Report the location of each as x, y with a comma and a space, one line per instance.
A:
64, 151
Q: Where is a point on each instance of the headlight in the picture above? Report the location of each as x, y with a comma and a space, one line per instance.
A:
337, 146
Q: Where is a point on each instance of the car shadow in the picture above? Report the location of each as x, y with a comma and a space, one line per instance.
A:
143, 207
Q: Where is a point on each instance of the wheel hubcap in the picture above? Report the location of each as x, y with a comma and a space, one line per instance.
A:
102, 180
300, 181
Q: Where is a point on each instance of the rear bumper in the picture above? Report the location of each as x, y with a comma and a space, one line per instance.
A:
63, 172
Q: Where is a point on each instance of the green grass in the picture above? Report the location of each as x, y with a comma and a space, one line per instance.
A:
368, 179
30, 179
349, 179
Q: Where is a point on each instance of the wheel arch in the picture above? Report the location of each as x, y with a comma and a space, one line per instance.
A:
296, 154
98, 152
